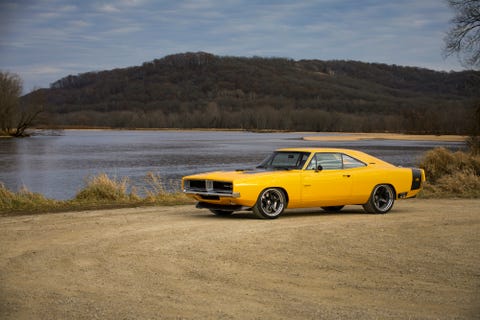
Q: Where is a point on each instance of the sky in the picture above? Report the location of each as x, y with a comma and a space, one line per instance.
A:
45, 40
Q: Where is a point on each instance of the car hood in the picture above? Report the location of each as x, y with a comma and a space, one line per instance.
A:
235, 175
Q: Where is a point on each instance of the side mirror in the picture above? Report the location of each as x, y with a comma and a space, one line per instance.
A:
319, 168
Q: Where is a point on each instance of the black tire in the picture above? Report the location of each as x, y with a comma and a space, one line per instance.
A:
221, 213
333, 208
381, 200
270, 204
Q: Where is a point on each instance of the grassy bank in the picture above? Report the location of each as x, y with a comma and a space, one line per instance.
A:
98, 192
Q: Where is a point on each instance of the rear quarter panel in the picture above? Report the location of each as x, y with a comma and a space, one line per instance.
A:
365, 180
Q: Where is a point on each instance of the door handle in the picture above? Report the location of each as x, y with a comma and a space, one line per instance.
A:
346, 176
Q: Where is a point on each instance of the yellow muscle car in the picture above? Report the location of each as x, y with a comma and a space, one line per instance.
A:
303, 178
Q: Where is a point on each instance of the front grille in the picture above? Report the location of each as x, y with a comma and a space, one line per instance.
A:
197, 185
208, 186
223, 186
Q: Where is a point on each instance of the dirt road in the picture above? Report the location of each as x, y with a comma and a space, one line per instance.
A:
421, 261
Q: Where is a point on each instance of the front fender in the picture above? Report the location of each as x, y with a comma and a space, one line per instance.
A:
289, 181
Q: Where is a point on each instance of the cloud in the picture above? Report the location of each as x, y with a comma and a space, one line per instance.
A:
122, 30
74, 37
133, 3
44, 70
79, 24
108, 8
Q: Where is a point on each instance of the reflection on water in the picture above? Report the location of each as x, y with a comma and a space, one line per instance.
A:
56, 166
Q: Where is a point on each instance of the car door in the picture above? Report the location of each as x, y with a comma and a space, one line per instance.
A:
325, 181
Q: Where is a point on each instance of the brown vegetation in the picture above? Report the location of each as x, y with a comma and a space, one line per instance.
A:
451, 174
99, 191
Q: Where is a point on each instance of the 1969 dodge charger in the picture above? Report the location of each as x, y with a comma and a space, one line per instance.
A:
303, 178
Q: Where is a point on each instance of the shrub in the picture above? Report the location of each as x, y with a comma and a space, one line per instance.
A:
450, 174
103, 188
439, 162
473, 143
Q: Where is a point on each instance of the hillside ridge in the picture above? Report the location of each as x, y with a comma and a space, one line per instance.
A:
199, 89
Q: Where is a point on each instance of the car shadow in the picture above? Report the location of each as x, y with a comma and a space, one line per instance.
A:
290, 213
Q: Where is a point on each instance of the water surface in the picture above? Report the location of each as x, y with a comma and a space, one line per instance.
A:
57, 165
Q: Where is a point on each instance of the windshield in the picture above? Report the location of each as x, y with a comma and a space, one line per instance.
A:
285, 160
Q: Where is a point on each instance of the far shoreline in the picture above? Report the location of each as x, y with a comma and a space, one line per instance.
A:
308, 135
340, 136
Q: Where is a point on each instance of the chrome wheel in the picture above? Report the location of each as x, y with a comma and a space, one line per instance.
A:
270, 204
381, 200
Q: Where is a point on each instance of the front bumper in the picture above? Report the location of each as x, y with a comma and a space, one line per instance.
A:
212, 194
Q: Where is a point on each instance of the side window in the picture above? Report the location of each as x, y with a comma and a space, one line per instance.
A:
328, 161
349, 162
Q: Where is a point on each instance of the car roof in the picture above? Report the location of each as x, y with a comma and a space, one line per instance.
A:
351, 152
341, 150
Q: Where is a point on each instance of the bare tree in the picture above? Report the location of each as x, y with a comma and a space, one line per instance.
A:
15, 118
463, 38
10, 90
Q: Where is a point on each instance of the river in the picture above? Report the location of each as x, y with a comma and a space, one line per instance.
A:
56, 165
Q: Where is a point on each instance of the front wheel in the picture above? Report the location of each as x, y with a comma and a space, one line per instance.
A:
270, 204
381, 200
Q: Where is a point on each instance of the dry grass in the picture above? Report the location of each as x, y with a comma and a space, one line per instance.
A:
100, 191
23, 199
451, 174
156, 191
103, 188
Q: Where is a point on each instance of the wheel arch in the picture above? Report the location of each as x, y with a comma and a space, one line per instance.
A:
393, 188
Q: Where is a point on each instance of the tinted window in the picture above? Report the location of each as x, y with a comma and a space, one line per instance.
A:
349, 162
328, 161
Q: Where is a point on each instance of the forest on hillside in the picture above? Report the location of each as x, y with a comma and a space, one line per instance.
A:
201, 90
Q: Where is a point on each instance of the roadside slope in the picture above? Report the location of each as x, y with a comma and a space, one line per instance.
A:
419, 261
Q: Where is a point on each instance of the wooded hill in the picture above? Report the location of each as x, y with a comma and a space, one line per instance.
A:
201, 90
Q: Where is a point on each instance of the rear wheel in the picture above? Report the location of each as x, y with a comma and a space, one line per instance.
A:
270, 204
381, 200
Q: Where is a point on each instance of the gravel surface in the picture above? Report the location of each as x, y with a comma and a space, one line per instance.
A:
420, 261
